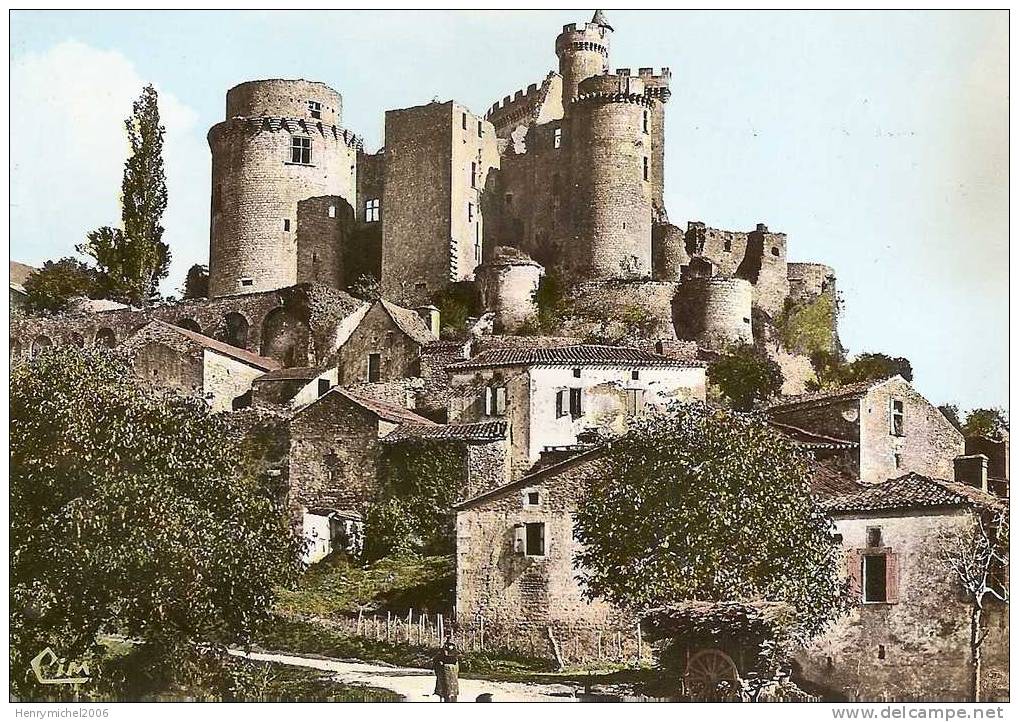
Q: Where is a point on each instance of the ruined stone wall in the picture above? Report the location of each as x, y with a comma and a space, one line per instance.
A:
715, 311
835, 418
610, 161
919, 645
466, 405
365, 250
507, 287
929, 443
378, 333
668, 252
725, 249
807, 281
324, 228
171, 368
334, 453
764, 265
522, 597
474, 154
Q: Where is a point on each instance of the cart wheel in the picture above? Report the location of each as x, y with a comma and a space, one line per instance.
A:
711, 675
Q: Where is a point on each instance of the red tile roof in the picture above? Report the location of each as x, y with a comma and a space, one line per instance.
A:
579, 355
811, 440
911, 491
837, 393
295, 373
482, 431
252, 359
386, 411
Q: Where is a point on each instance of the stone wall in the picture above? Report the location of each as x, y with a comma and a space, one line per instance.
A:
919, 645
377, 333
224, 379
507, 285
619, 311
325, 226
716, 312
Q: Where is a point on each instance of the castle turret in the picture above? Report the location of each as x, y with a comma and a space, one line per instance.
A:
583, 52
610, 147
715, 311
507, 283
281, 143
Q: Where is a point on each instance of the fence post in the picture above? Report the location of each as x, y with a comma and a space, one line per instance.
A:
439, 630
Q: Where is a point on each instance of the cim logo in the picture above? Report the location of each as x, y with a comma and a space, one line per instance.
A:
51, 669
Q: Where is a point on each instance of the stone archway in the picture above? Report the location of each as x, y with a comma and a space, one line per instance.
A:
42, 341
285, 337
190, 324
237, 328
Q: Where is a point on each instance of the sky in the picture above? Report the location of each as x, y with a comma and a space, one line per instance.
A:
876, 140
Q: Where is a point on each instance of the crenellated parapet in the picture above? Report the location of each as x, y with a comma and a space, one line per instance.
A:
656, 86
522, 107
623, 87
300, 126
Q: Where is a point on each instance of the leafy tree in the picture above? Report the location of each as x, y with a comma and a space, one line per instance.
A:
366, 286
57, 282
951, 412
977, 555
456, 303
196, 284
701, 503
831, 370
809, 328
745, 376
134, 259
991, 423
132, 513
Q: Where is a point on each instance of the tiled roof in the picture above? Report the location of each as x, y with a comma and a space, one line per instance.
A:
409, 322
386, 411
478, 432
579, 355
826, 482
811, 440
297, 373
848, 391
252, 359
910, 492
20, 273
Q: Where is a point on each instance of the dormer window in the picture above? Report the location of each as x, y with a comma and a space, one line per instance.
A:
315, 109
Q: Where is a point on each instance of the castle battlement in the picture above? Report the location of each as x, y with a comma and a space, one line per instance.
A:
301, 125
623, 87
529, 97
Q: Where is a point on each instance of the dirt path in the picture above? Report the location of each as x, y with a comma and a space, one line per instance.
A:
416, 685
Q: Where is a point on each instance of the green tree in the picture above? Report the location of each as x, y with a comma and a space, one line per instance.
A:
132, 512
701, 503
456, 303
367, 287
832, 370
196, 283
951, 412
991, 423
57, 282
745, 376
134, 259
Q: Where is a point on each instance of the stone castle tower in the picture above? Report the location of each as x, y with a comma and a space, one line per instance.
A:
281, 143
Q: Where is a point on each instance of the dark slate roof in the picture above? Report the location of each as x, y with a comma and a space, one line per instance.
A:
911, 491
239, 354
409, 322
297, 373
837, 393
811, 440
600, 19
480, 432
578, 355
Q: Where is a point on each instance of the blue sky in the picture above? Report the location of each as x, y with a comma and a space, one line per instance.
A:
876, 141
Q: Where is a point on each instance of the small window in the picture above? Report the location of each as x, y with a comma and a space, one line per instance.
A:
645, 121
727, 246
470, 212
635, 374
474, 175
897, 421
495, 401
897, 458
420, 286
576, 403
562, 403
775, 252
315, 109
557, 138
300, 150
647, 169
634, 401
480, 133
323, 386
875, 578
576, 373
463, 120
372, 210
286, 225
874, 537
535, 539
332, 211
533, 498
508, 200
374, 367
247, 282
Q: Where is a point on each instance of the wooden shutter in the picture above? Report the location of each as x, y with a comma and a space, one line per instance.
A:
500, 401
892, 577
854, 569
560, 403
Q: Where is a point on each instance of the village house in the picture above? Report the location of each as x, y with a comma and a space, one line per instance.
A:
554, 397
177, 358
383, 342
908, 632
884, 429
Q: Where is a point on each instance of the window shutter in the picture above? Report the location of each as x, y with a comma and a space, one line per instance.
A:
500, 401
854, 562
488, 408
560, 403
892, 578
519, 538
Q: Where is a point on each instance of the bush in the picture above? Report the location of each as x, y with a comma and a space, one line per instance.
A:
746, 376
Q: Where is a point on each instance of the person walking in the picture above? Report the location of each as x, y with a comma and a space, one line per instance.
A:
446, 665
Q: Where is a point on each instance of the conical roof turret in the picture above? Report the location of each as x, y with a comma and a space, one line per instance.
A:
600, 19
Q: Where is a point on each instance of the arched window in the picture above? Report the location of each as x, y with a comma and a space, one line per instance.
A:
190, 324
106, 337
236, 330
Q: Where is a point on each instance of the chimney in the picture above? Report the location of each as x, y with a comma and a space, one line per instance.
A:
972, 470
430, 315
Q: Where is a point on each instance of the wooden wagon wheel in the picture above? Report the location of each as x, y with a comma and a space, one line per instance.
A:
712, 675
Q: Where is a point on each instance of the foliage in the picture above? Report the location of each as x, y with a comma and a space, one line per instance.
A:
951, 412
420, 481
992, 423
57, 282
131, 261
831, 370
696, 503
130, 514
808, 328
335, 586
746, 376
549, 299
366, 286
456, 303
196, 284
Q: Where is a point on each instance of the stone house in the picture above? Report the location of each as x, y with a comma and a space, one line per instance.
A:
177, 358
382, 342
294, 387
890, 427
552, 397
515, 568
908, 633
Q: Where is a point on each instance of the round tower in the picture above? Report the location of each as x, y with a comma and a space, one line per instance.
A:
281, 143
715, 311
668, 252
611, 172
583, 52
507, 283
